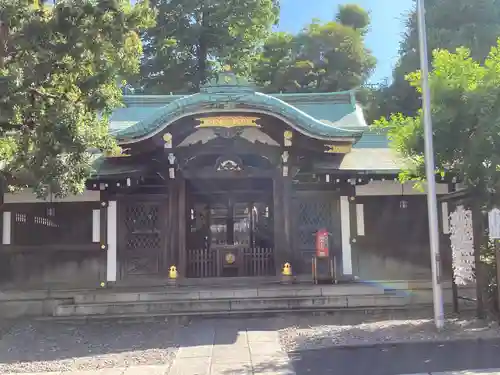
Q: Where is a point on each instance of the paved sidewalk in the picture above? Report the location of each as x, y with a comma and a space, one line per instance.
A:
230, 348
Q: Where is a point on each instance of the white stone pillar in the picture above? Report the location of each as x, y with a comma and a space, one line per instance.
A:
7, 228
346, 235
445, 217
111, 266
360, 219
96, 225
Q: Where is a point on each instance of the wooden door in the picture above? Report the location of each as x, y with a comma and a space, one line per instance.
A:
143, 232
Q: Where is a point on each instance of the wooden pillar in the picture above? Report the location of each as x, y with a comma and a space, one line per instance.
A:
103, 232
112, 231
279, 224
173, 228
287, 216
108, 234
182, 227
346, 225
354, 230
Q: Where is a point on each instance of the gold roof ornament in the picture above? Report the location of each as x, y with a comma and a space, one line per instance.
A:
167, 137
228, 122
338, 149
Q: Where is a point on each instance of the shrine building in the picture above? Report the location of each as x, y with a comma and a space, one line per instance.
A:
227, 183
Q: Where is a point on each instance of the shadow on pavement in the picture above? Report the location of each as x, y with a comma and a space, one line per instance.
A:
400, 359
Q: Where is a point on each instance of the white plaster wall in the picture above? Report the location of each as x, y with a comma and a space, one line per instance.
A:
27, 196
395, 188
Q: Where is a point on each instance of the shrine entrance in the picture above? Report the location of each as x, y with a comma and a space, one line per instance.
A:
230, 228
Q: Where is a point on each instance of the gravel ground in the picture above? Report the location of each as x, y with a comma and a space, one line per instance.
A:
328, 331
50, 346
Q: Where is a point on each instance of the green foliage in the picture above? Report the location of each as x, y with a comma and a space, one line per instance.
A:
354, 16
323, 57
59, 74
450, 24
194, 38
466, 122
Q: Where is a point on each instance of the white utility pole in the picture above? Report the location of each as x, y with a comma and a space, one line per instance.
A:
432, 204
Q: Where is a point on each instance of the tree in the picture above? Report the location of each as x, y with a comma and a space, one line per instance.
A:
59, 72
466, 118
354, 16
323, 57
450, 24
193, 38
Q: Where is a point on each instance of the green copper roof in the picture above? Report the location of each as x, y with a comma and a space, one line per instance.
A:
322, 116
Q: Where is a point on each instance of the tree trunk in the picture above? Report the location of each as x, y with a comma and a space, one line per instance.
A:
4, 34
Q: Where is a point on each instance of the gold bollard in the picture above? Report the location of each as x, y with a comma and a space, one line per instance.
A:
286, 274
172, 276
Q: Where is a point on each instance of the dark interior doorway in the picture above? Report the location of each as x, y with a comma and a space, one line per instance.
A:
230, 227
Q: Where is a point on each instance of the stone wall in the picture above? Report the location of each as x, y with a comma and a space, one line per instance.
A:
370, 265
63, 269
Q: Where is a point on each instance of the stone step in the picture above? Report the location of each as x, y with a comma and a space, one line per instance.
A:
180, 317
232, 305
180, 293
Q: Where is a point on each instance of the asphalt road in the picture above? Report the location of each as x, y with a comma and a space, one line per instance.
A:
398, 359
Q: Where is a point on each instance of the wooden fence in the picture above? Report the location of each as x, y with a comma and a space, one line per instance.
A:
253, 261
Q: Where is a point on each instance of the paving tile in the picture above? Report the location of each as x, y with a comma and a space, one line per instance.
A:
258, 360
147, 370
195, 351
191, 366
276, 372
105, 371
276, 369
265, 348
241, 368
263, 336
230, 355
230, 336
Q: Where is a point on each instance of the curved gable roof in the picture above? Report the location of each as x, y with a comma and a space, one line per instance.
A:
229, 94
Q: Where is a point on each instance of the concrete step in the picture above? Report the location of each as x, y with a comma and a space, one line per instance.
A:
181, 293
231, 305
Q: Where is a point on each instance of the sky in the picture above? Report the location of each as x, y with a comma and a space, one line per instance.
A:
386, 28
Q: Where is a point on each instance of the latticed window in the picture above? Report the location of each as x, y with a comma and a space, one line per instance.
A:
141, 221
143, 237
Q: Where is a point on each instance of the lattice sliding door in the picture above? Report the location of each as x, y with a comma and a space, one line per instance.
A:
143, 241
313, 211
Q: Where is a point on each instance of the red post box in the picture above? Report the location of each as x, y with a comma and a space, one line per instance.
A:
322, 250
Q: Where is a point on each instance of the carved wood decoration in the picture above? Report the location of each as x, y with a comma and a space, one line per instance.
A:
258, 136
200, 136
229, 165
204, 136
